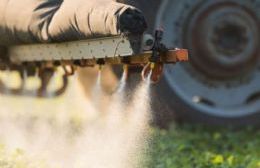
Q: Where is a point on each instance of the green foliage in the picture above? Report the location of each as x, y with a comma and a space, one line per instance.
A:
190, 146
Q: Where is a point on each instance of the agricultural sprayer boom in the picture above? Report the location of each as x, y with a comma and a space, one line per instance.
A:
43, 59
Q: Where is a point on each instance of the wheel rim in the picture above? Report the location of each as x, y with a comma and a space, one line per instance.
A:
223, 76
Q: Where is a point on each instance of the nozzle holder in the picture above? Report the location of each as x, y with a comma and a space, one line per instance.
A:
158, 46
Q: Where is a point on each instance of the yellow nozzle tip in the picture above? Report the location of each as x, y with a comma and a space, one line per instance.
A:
152, 65
100, 67
125, 67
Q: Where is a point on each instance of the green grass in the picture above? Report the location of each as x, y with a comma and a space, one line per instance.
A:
199, 147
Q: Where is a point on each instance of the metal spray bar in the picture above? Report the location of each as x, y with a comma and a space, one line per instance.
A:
42, 59
113, 50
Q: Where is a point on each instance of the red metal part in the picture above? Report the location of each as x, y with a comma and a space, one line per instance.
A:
156, 69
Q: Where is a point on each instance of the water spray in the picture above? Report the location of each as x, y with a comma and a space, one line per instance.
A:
99, 75
97, 93
125, 68
24, 76
122, 82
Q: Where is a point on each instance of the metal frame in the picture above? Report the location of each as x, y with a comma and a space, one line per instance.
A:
43, 59
76, 50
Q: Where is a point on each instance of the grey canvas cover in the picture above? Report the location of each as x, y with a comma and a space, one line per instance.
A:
32, 21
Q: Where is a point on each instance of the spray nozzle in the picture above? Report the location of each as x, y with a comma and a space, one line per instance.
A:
158, 46
125, 67
100, 67
152, 65
100, 63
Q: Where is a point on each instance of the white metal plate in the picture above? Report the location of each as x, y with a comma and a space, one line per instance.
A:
85, 49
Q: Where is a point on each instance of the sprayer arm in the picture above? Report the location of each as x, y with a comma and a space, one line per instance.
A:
137, 51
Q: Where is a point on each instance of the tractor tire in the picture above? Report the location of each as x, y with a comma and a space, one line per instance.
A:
221, 83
